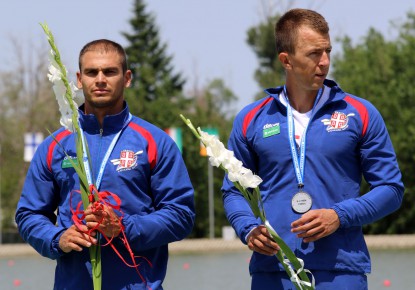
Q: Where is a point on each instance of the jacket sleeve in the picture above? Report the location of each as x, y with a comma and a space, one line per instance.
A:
381, 171
35, 213
173, 198
236, 207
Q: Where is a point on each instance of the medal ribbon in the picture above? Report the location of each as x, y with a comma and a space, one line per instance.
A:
104, 160
298, 162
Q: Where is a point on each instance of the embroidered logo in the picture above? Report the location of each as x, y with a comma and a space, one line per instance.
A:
338, 121
66, 162
270, 129
127, 160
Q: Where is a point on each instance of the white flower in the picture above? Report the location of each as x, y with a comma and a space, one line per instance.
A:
219, 155
232, 164
214, 148
54, 74
234, 176
209, 140
66, 121
65, 107
77, 94
249, 180
59, 89
234, 168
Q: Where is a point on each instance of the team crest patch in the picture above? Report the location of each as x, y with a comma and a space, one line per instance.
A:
338, 121
127, 160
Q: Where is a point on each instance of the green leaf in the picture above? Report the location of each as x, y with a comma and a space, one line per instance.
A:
95, 256
95, 250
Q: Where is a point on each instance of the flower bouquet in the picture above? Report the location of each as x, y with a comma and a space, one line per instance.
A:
247, 183
65, 92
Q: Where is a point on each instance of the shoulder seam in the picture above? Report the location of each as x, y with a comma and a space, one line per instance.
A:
251, 114
362, 110
52, 145
152, 147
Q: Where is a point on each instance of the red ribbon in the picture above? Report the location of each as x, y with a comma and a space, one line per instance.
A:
98, 200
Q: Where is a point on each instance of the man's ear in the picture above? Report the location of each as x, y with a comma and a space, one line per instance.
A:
78, 80
285, 60
128, 77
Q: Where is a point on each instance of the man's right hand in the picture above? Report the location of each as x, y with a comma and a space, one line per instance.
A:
259, 240
75, 240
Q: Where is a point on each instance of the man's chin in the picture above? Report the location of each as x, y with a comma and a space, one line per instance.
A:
102, 103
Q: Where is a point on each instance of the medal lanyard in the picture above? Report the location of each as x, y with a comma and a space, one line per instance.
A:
298, 161
104, 160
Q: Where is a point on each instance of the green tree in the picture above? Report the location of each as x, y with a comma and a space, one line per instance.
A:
26, 105
211, 109
260, 38
383, 72
156, 91
157, 96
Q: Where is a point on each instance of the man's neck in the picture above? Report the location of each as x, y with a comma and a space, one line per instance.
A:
100, 113
300, 100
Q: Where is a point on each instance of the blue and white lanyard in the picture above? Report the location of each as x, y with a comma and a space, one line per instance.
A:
299, 163
104, 160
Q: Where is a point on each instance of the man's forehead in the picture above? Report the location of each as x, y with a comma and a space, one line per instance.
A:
101, 58
308, 36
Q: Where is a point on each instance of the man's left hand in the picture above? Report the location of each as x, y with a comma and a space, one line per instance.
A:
105, 219
316, 224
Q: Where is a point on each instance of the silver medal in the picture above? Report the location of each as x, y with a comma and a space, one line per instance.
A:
301, 202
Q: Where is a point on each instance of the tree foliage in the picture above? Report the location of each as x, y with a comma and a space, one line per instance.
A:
260, 38
211, 105
156, 91
26, 105
383, 71
157, 96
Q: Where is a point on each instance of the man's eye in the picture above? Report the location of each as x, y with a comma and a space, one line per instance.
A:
110, 72
91, 73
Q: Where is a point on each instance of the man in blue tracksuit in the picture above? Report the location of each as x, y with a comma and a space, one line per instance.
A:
142, 165
311, 143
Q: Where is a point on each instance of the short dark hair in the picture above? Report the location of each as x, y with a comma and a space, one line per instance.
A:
286, 28
105, 45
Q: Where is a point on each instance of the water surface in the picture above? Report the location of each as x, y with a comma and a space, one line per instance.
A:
392, 270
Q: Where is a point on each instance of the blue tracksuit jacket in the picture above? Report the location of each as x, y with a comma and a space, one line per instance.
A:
346, 138
154, 187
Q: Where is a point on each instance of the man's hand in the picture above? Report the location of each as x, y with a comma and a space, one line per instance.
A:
75, 240
105, 219
316, 224
259, 240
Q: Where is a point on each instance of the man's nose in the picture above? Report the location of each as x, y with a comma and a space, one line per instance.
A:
100, 77
325, 59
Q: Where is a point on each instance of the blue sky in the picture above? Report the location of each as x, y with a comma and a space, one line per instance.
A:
207, 39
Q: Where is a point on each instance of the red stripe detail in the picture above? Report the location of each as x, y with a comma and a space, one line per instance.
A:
152, 148
248, 118
361, 109
52, 145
